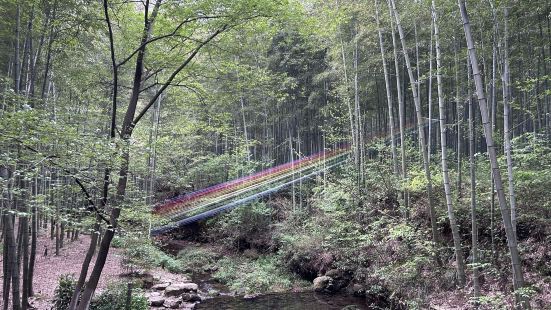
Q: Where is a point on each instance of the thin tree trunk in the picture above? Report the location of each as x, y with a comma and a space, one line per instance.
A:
128, 124
506, 125
460, 263
85, 264
420, 127
429, 144
474, 225
357, 115
8, 252
388, 93
459, 114
518, 279
349, 105
51, 38
12, 262
401, 112
17, 65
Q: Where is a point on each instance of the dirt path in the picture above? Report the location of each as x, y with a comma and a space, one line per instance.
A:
49, 268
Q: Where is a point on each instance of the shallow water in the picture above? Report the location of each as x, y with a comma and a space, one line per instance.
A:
288, 301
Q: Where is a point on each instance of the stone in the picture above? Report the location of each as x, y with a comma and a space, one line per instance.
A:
323, 284
187, 305
334, 273
358, 290
184, 279
341, 278
152, 294
251, 296
212, 268
212, 292
177, 289
172, 302
160, 286
156, 301
190, 297
146, 281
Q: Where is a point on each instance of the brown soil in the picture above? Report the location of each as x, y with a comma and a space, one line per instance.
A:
49, 268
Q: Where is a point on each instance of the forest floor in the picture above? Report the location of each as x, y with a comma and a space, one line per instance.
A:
49, 268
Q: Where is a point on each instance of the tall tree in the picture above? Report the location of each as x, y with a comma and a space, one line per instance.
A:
420, 125
518, 278
388, 93
401, 109
460, 263
506, 79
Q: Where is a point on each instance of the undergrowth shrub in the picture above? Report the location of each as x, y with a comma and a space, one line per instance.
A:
141, 253
255, 276
64, 291
197, 259
303, 253
112, 298
248, 226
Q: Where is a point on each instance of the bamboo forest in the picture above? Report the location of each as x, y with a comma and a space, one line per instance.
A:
275, 154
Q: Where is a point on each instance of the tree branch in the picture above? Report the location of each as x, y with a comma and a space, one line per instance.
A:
171, 34
175, 73
50, 158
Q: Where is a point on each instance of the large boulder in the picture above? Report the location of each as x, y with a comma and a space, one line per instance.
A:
156, 301
357, 290
341, 278
187, 305
172, 302
190, 297
323, 284
160, 286
177, 289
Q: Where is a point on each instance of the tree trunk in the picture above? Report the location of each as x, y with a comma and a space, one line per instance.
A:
401, 112
85, 265
12, 262
460, 264
420, 126
17, 65
459, 142
388, 94
518, 279
429, 144
126, 132
474, 225
506, 125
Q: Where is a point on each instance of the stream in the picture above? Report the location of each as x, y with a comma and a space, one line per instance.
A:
288, 301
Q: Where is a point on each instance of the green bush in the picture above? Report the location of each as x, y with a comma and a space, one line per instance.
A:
255, 276
114, 298
196, 259
64, 292
245, 227
140, 252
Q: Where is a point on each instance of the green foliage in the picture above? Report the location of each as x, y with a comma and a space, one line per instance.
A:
140, 252
302, 251
197, 259
490, 302
254, 276
64, 291
114, 298
248, 226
